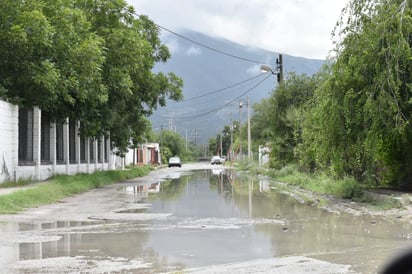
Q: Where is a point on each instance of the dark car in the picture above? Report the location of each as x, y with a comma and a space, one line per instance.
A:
175, 161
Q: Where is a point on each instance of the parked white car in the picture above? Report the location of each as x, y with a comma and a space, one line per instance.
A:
175, 161
216, 160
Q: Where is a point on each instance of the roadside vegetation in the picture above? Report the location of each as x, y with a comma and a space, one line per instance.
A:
173, 144
346, 129
345, 188
86, 60
63, 186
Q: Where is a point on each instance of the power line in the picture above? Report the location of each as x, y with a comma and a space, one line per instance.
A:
226, 104
223, 89
204, 45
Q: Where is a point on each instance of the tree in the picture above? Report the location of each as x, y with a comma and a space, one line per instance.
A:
171, 144
222, 138
88, 60
286, 115
50, 58
134, 91
260, 131
365, 105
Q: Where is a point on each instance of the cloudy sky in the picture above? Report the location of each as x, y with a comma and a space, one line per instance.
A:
296, 27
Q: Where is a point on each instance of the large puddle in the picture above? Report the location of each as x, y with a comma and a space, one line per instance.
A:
217, 217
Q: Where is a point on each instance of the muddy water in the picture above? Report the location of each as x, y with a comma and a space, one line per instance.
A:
215, 217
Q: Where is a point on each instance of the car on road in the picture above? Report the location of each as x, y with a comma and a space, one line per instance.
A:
175, 161
216, 160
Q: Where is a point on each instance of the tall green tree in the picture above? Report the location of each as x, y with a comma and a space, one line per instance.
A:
286, 115
50, 58
364, 107
261, 133
171, 144
88, 60
132, 48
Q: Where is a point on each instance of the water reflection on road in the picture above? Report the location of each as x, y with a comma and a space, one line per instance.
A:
217, 216
224, 217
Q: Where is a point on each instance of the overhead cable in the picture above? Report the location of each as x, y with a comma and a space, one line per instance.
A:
226, 104
204, 45
222, 89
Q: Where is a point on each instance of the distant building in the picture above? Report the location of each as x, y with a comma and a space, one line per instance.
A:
264, 152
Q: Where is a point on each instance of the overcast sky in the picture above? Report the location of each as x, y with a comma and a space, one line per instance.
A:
296, 27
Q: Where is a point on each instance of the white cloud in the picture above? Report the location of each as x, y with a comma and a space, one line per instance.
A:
173, 45
253, 70
296, 27
193, 51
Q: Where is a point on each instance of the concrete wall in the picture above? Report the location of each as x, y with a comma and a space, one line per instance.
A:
10, 170
8, 140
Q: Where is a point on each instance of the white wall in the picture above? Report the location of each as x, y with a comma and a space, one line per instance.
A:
9, 151
8, 140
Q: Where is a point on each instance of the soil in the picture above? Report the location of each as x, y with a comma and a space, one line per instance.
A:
335, 204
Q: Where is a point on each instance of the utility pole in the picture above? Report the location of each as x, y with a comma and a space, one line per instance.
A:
279, 63
195, 136
186, 140
221, 147
240, 129
249, 141
231, 137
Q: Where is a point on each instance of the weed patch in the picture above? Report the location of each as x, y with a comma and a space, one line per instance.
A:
62, 186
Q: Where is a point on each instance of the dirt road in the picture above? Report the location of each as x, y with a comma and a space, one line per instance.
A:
99, 210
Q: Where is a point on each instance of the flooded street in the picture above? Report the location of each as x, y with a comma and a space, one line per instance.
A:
205, 220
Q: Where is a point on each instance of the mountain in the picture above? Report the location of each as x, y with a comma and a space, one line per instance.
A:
210, 83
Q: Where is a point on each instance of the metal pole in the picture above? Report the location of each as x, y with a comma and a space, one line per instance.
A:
249, 152
231, 137
240, 129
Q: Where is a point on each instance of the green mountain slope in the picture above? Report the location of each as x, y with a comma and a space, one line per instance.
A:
208, 103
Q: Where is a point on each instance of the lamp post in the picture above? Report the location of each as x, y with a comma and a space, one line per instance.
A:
231, 138
279, 68
240, 129
249, 151
249, 139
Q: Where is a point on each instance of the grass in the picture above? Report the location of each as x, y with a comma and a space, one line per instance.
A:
16, 184
346, 188
63, 186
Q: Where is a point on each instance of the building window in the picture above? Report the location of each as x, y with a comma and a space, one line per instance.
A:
26, 136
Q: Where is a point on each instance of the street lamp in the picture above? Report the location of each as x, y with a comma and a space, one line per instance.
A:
266, 69
279, 68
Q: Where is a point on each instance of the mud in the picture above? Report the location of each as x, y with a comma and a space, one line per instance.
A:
207, 228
